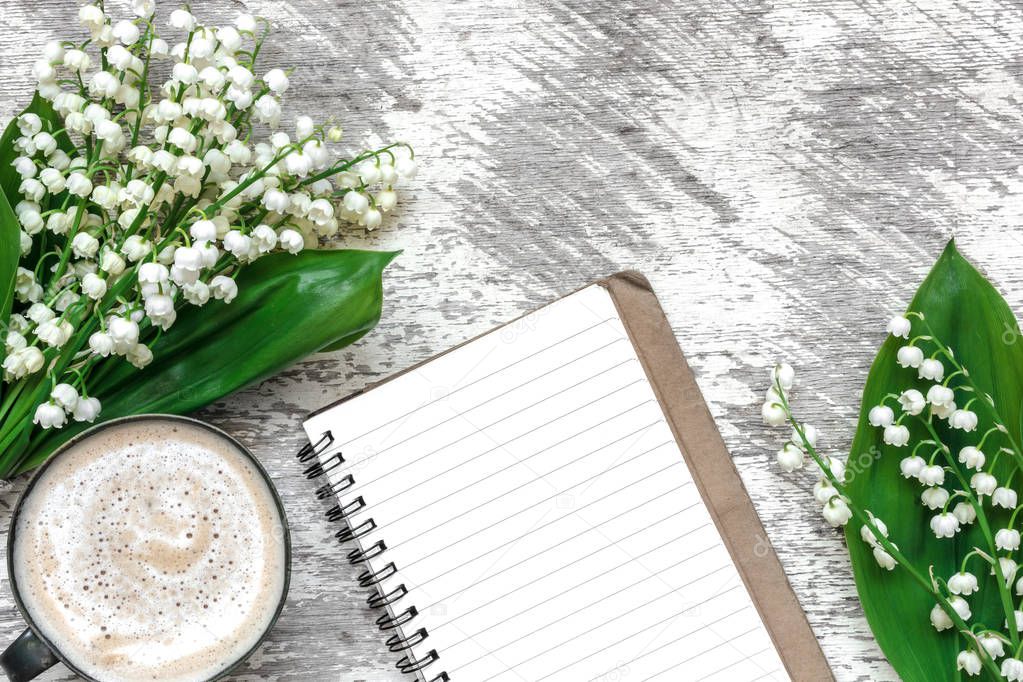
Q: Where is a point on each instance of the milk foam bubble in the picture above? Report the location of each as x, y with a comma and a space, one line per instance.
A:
152, 550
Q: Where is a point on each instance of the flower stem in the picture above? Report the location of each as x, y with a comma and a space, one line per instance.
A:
925, 583
1003, 589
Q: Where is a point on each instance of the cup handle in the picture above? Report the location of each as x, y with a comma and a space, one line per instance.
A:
26, 657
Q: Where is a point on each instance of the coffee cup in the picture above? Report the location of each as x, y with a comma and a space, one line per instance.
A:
147, 547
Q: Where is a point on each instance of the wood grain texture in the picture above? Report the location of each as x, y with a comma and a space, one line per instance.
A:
784, 173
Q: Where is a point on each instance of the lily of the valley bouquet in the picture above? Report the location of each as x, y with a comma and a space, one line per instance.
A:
158, 230
929, 495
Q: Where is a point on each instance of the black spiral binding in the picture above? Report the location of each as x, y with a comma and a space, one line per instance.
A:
354, 530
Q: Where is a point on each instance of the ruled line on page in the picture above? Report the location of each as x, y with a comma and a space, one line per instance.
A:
587, 606
480, 429
589, 580
725, 640
693, 631
569, 564
536, 477
636, 559
719, 619
695, 656
611, 620
546, 499
550, 523
624, 639
575, 512
476, 381
548, 448
509, 391
508, 416
498, 446
723, 668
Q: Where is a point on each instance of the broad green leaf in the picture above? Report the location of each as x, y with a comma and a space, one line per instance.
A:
287, 307
971, 318
348, 340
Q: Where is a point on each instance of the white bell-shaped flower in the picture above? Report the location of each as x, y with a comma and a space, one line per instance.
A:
264, 238
183, 20
223, 288
965, 420
972, 457
910, 356
823, 491
139, 355
65, 396
963, 583
912, 402
969, 662
881, 415
912, 466
896, 435
899, 326
277, 81
94, 286
940, 619
965, 512
1012, 669
837, 512
932, 369
868, 536
992, 644
291, 241
101, 343
49, 416
86, 410
124, 332
1007, 539
1004, 497
160, 310
790, 458
940, 395
884, 559
984, 483
932, 475
934, 497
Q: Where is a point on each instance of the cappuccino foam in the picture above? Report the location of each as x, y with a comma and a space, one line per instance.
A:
151, 550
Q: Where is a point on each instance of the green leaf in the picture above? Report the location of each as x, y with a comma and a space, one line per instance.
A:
969, 316
287, 307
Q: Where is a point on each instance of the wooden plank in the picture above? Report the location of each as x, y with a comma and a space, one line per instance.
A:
783, 172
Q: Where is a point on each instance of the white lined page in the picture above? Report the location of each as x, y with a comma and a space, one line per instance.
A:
540, 513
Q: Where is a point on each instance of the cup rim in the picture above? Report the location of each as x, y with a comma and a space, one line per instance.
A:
77, 438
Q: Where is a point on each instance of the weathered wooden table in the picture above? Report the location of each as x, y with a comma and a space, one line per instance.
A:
784, 172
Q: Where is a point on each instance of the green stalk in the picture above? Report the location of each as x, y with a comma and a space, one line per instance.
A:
345, 165
883, 540
1003, 590
996, 417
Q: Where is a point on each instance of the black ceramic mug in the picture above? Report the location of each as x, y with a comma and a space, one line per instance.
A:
32, 653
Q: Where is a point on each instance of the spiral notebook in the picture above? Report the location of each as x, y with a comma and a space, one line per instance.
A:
552, 502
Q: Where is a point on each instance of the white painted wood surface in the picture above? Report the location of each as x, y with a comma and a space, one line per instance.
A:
784, 172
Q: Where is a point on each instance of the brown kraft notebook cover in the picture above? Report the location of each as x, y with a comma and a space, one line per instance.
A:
719, 483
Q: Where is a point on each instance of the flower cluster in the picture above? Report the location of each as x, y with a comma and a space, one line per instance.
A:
142, 198
802, 443
959, 485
